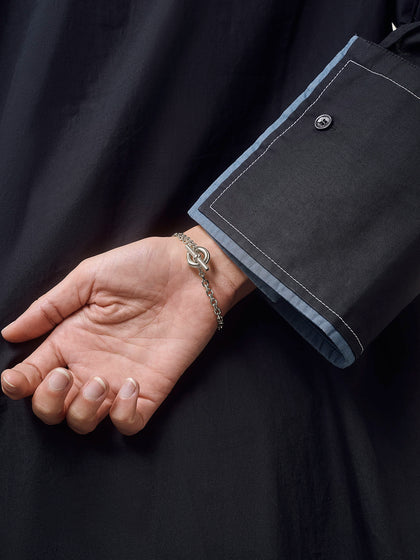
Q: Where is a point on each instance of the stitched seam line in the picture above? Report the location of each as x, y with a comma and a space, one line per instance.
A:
387, 78
293, 278
265, 151
253, 244
275, 140
391, 54
302, 115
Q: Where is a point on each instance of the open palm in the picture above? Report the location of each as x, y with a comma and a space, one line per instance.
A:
126, 324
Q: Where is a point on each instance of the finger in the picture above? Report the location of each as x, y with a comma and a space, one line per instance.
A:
82, 414
125, 412
23, 379
48, 402
53, 307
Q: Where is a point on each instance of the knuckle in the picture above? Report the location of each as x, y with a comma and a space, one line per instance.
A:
77, 418
129, 431
80, 423
80, 431
51, 312
127, 426
81, 428
119, 417
40, 410
84, 263
84, 266
45, 414
32, 371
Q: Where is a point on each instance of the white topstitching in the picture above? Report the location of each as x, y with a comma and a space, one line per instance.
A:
265, 151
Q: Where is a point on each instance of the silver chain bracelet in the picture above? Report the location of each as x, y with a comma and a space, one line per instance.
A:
198, 257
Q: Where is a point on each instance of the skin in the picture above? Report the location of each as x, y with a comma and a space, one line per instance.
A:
124, 326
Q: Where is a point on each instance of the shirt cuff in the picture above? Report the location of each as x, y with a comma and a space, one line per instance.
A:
322, 211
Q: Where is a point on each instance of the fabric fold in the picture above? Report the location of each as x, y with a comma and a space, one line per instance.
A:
323, 210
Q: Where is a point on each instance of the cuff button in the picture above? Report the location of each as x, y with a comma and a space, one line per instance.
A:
322, 122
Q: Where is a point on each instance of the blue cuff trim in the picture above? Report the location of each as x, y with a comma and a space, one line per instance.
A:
286, 113
319, 332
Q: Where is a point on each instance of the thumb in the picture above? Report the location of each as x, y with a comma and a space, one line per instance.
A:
72, 293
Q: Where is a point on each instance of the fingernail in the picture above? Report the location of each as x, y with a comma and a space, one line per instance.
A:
94, 389
59, 379
128, 389
7, 384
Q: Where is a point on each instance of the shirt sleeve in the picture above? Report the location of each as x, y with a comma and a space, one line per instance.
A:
323, 211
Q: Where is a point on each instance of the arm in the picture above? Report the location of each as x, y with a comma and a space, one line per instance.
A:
140, 312
125, 326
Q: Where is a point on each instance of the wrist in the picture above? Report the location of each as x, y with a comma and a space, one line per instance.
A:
229, 283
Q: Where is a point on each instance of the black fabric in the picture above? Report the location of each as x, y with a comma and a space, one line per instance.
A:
400, 34
334, 214
404, 41
115, 116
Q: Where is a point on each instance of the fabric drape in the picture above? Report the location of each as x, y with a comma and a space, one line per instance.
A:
115, 118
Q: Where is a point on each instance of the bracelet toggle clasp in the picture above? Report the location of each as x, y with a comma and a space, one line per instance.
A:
194, 259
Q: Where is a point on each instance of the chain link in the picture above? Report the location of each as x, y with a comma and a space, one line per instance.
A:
198, 257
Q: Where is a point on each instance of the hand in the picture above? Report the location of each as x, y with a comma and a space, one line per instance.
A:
125, 326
